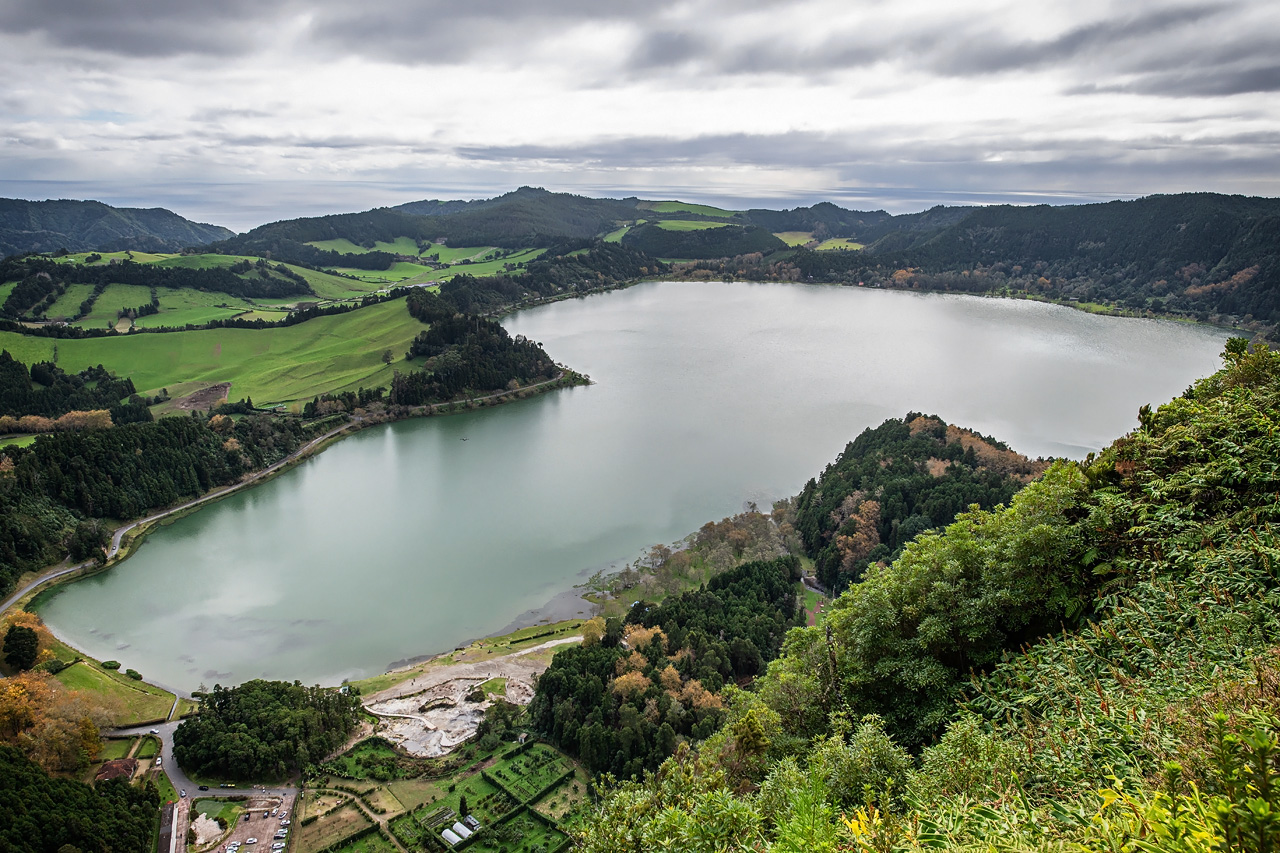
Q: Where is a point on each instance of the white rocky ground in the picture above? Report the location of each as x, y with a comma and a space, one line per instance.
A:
430, 715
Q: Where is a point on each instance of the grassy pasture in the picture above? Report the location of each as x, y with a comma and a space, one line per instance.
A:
686, 207
398, 272
115, 297
130, 702
794, 238
6, 289
453, 254
371, 843
180, 307
838, 243
342, 246
616, 236
204, 262
277, 365
68, 304
108, 257
17, 440
687, 225
484, 268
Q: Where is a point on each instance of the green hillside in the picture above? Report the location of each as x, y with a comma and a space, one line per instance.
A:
46, 226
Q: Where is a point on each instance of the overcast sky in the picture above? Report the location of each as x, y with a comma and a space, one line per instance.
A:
239, 112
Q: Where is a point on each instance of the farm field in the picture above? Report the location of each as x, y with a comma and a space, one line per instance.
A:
330, 829
616, 236
838, 243
489, 267
114, 298
180, 307
6, 289
68, 304
129, 702
398, 272
17, 440
687, 225
277, 365
107, 257
204, 262
794, 238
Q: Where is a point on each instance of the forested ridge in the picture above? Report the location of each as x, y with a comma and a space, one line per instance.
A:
46, 226
1092, 666
894, 482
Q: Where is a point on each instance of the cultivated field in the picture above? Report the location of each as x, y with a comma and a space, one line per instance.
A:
276, 365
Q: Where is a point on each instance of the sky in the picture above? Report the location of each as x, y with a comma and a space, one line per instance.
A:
239, 112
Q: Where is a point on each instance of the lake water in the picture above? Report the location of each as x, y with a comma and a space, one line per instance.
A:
407, 539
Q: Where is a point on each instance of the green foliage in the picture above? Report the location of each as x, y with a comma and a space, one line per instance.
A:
44, 814
21, 644
43, 226
892, 483
263, 729
719, 242
110, 664
861, 766
624, 710
46, 390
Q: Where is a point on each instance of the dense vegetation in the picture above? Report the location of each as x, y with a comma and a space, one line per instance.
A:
724, 241
623, 700
1090, 667
46, 226
53, 492
46, 391
894, 482
264, 730
44, 814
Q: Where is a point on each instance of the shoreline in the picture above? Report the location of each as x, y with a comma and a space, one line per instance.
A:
563, 605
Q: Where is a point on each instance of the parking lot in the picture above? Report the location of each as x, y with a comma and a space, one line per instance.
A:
259, 823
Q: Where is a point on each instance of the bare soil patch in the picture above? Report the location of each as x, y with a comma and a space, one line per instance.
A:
204, 398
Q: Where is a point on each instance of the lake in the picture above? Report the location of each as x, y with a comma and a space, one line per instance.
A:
411, 538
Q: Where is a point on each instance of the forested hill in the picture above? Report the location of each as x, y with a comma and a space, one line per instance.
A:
81, 226
1091, 667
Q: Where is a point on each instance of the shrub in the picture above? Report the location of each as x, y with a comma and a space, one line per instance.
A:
110, 664
134, 674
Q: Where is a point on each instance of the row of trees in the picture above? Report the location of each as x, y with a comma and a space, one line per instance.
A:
48, 391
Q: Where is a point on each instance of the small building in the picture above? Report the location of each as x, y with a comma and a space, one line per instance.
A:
120, 768
461, 831
471, 822
449, 836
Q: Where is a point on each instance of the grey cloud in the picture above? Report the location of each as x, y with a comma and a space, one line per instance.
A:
145, 28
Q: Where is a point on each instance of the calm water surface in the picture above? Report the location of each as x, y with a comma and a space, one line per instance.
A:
405, 539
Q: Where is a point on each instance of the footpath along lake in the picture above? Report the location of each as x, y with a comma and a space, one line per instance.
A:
411, 538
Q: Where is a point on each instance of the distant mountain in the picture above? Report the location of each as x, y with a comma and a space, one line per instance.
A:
81, 226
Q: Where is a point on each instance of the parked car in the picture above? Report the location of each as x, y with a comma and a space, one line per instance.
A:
204, 787
183, 793
153, 731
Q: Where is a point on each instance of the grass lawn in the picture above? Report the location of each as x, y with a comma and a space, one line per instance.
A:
382, 798
685, 207
838, 243
495, 686
115, 747
330, 829
129, 702
213, 809
276, 365
794, 238
17, 440
412, 793
149, 748
168, 793
687, 225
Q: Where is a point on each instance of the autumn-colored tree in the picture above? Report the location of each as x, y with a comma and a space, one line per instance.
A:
96, 419
856, 546
634, 662
669, 678
631, 684
638, 636
592, 631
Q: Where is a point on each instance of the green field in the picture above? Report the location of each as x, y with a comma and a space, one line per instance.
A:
684, 207
213, 809
453, 254
204, 262
484, 268
68, 304
180, 307
116, 747
108, 257
616, 236
149, 748
277, 365
371, 843
115, 297
794, 238
17, 440
838, 243
6, 289
398, 272
129, 702
687, 225
342, 246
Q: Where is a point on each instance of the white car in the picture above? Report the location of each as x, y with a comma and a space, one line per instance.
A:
251, 841
284, 821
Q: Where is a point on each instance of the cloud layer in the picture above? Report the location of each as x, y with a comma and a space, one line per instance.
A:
757, 99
